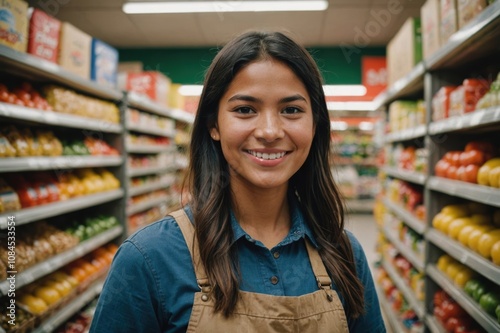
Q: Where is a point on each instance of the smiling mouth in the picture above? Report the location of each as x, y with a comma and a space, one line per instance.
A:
266, 156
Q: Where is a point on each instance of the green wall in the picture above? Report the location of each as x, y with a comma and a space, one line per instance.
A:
188, 65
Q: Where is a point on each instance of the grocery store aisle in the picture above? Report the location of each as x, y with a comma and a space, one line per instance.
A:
364, 227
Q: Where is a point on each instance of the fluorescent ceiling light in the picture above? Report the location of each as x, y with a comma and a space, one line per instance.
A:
350, 106
222, 6
344, 90
190, 90
339, 125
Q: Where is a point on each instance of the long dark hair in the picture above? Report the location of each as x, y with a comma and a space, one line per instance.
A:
313, 184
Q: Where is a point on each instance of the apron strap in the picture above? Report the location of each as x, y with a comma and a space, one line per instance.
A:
318, 267
187, 229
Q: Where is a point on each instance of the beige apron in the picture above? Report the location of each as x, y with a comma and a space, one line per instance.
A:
317, 312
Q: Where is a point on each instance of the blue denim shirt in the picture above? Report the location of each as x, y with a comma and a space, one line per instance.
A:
151, 282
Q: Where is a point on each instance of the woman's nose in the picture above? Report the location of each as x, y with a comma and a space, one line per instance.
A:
269, 127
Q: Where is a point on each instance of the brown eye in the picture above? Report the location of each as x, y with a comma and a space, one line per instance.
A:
291, 110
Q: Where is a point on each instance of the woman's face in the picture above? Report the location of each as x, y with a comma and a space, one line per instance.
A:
265, 125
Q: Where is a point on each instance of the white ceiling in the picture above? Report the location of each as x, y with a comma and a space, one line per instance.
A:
104, 19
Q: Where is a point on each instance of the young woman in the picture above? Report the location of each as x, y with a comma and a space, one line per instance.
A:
261, 247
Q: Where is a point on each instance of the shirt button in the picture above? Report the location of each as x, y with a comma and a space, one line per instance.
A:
276, 255
274, 280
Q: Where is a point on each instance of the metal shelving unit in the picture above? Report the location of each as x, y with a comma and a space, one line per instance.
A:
136, 208
17, 164
489, 323
409, 295
408, 253
54, 263
151, 130
37, 213
391, 317
407, 217
136, 190
466, 48
410, 176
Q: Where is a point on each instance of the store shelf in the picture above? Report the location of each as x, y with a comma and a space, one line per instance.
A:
409, 134
149, 188
464, 255
474, 192
148, 149
360, 205
434, 325
404, 250
338, 161
489, 323
54, 263
407, 217
56, 163
136, 208
409, 295
478, 36
410, 84
135, 172
410, 176
143, 103
23, 62
391, 316
183, 116
37, 213
57, 119
70, 309
152, 131
473, 120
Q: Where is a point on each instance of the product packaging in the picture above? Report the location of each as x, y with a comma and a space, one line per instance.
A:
44, 31
448, 19
465, 97
468, 9
104, 63
441, 103
14, 24
429, 15
152, 84
74, 50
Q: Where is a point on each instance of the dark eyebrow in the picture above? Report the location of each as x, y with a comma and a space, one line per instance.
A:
293, 98
248, 98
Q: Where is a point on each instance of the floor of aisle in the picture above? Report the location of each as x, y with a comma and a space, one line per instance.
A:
364, 227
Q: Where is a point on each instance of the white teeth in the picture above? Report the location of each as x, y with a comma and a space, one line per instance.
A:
266, 156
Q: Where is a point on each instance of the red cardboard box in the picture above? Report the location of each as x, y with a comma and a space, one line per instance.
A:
44, 33
153, 84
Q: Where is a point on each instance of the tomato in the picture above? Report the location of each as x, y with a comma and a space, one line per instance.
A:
484, 146
451, 324
439, 314
474, 156
461, 172
453, 157
451, 173
470, 174
4, 96
452, 309
441, 168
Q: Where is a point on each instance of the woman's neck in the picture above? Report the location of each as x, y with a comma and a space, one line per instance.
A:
264, 213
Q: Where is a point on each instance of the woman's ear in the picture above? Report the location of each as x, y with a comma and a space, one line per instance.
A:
214, 133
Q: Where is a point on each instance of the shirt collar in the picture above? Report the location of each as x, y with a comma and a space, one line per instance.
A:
299, 227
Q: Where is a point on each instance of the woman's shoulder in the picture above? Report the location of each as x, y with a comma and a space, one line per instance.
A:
159, 236
357, 249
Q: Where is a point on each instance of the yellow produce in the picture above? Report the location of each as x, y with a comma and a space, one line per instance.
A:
495, 253
48, 294
453, 269
437, 220
443, 262
446, 221
456, 225
34, 304
455, 210
62, 287
463, 235
486, 242
481, 219
463, 276
484, 171
494, 177
474, 236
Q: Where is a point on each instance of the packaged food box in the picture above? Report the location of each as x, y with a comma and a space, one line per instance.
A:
429, 15
44, 31
104, 63
468, 9
74, 50
465, 97
441, 103
448, 19
404, 50
14, 24
152, 84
